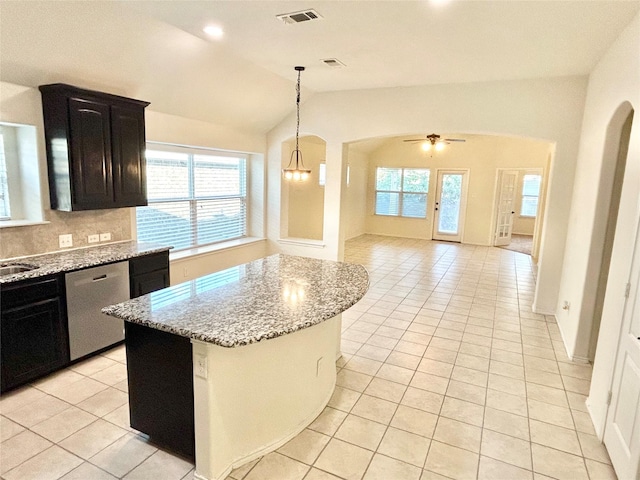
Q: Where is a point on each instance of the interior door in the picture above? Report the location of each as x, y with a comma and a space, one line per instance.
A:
622, 429
450, 205
506, 200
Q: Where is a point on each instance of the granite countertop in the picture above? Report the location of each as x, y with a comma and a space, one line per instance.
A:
70, 260
263, 299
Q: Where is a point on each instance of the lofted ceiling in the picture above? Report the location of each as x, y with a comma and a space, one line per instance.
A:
156, 51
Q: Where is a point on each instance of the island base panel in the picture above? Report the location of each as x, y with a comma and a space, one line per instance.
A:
257, 397
160, 373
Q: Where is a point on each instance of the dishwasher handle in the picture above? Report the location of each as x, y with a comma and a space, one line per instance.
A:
101, 277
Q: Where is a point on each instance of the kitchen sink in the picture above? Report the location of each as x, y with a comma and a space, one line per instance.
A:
11, 268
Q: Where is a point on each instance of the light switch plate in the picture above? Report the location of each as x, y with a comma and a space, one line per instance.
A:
105, 237
93, 238
65, 241
201, 366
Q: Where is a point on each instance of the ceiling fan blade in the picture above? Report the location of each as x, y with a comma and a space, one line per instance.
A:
454, 140
416, 140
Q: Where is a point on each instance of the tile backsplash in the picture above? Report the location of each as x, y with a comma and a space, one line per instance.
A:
36, 239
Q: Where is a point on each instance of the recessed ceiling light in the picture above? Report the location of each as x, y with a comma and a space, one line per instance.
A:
213, 31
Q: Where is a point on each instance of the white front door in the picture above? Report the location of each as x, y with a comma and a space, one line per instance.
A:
451, 195
506, 198
622, 430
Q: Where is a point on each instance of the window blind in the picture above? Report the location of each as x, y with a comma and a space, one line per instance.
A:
5, 211
194, 199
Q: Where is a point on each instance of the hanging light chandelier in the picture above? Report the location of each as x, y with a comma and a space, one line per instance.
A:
297, 172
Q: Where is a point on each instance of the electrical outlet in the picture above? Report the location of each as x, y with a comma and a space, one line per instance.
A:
93, 238
65, 241
201, 366
104, 237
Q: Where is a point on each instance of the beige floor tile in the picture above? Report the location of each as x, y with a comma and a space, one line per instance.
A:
119, 354
472, 361
119, 417
361, 432
537, 363
305, 447
19, 398
410, 348
104, 402
19, 448
343, 399
466, 391
404, 446
477, 339
592, 448
576, 385
414, 421
49, 464
385, 389
506, 449
507, 385
491, 469
91, 439
441, 354
123, 455
507, 357
161, 465
583, 422
242, 471
600, 471
553, 414
353, 380
506, 402
328, 421
93, 365
87, 471
431, 383
556, 437
76, 392
512, 347
506, 369
375, 409
63, 424
344, 460
35, 412
462, 411
434, 367
577, 401
390, 332
385, 468
507, 423
356, 335
451, 461
8, 428
57, 380
475, 350
363, 365
403, 360
537, 351
468, 375
575, 370
395, 374
541, 393
557, 464
374, 353
458, 434
543, 378
423, 400
315, 474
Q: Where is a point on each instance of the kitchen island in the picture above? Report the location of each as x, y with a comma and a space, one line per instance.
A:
260, 340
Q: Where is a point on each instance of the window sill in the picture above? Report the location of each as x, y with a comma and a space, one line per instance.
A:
527, 216
305, 242
20, 223
194, 252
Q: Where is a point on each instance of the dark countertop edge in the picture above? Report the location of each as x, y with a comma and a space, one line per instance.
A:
44, 269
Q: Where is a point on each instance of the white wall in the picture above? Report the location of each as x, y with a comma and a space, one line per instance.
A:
354, 206
614, 81
481, 155
546, 109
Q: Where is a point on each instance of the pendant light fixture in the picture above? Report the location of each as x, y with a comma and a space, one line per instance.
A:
297, 172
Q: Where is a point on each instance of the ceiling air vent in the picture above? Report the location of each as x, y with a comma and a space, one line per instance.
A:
299, 17
333, 62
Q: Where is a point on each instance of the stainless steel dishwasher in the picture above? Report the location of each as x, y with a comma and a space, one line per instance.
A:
88, 291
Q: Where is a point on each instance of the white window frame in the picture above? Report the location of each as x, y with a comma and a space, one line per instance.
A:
191, 152
400, 193
523, 196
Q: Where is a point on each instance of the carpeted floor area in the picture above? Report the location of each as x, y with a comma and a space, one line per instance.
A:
520, 243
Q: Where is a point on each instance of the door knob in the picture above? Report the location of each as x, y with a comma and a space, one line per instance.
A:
513, 213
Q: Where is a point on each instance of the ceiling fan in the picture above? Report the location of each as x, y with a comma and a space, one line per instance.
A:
434, 141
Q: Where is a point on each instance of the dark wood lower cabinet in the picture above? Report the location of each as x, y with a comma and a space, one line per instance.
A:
160, 375
33, 333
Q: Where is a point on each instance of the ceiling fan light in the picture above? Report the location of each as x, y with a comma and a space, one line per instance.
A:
439, 146
426, 146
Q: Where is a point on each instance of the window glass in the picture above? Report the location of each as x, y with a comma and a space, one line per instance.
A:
530, 195
402, 192
5, 211
194, 199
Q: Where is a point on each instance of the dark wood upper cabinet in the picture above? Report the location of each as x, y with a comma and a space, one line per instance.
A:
95, 148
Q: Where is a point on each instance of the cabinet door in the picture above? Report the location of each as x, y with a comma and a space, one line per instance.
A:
34, 341
129, 164
149, 282
90, 143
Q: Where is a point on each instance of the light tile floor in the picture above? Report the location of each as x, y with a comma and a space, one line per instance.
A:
446, 373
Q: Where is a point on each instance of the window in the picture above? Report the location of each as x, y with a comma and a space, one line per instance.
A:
195, 199
5, 212
530, 194
402, 192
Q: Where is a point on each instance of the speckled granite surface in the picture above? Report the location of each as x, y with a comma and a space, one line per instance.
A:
69, 260
256, 301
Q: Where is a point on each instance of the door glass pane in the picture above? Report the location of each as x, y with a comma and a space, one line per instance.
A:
450, 203
387, 203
